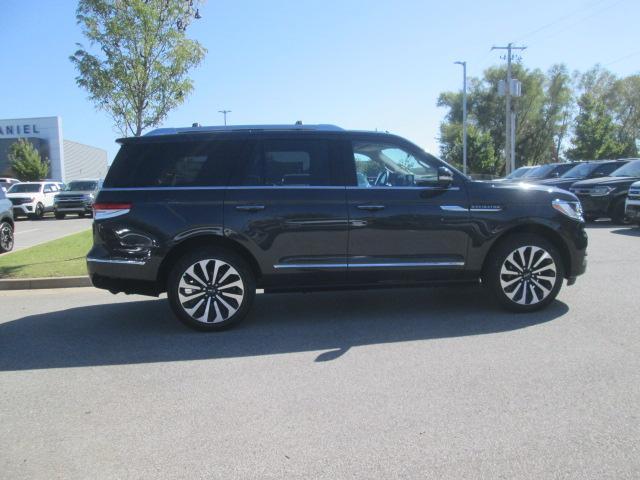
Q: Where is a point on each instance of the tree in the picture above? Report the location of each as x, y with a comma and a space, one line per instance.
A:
543, 114
596, 136
26, 162
139, 71
608, 122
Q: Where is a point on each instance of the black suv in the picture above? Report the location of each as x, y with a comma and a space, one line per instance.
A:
584, 171
605, 197
543, 172
6, 223
210, 214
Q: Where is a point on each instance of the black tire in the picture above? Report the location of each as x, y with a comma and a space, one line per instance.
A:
230, 269
618, 214
60, 216
38, 213
537, 284
590, 218
6, 237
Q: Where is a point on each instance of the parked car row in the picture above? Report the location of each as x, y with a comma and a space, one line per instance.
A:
601, 185
34, 199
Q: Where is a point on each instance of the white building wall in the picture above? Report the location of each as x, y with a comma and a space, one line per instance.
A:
83, 161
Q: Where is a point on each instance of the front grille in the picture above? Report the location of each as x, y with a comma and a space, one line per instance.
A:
71, 198
634, 193
20, 201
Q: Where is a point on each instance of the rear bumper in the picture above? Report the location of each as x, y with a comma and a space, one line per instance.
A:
119, 274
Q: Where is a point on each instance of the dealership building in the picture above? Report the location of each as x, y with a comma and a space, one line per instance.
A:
68, 160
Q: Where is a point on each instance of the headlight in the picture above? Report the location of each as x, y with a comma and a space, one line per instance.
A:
601, 191
568, 208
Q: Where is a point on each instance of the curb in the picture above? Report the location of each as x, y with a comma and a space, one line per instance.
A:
38, 283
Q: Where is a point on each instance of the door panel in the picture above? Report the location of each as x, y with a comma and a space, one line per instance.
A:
287, 206
413, 238
298, 235
402, 228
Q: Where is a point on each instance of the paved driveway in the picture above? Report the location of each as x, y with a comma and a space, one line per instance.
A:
386, 384
33, 232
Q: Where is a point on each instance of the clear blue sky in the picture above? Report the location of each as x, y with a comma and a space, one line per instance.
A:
361, 64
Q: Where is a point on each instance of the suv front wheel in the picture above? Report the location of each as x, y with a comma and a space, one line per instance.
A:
6, 237
211, 289
525, 273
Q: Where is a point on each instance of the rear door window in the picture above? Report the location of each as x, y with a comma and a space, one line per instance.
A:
292, 163
176, 164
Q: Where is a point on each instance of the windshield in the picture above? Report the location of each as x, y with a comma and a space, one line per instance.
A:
580, 171
518, 172
540, 171
631, 169
81, 186
25, 188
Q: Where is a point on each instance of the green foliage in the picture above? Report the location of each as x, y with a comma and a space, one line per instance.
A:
596, 135
480, 152
608, 122
543, 114
26, 162
139, 71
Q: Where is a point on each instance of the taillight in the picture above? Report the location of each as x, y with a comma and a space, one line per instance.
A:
105, 210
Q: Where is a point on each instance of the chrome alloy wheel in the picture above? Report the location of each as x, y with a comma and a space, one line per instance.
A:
211, 291
528, 275
6, 237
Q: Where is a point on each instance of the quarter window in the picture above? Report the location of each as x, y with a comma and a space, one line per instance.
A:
382, 165
176, 164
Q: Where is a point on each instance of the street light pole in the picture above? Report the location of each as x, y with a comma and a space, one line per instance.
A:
224, 112
464, 115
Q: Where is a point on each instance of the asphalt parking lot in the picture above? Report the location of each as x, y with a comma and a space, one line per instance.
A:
32, 232
387, 384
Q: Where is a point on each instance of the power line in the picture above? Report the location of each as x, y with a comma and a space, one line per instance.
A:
559, 20
579, 21
622, 58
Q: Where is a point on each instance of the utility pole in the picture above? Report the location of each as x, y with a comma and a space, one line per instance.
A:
510, 147
464, 115
224, 112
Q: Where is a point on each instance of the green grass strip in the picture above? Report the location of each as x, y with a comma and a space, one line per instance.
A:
64, 257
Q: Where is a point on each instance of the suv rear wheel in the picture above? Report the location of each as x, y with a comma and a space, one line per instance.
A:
211, 289
525, 273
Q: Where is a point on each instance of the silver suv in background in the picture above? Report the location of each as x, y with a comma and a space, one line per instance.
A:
76, 198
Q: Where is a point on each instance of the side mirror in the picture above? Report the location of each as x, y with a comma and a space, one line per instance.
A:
445, 176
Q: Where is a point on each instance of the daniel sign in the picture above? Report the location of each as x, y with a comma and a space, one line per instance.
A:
19, 129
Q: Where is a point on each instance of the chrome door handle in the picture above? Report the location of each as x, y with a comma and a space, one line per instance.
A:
250, 208
371, 208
